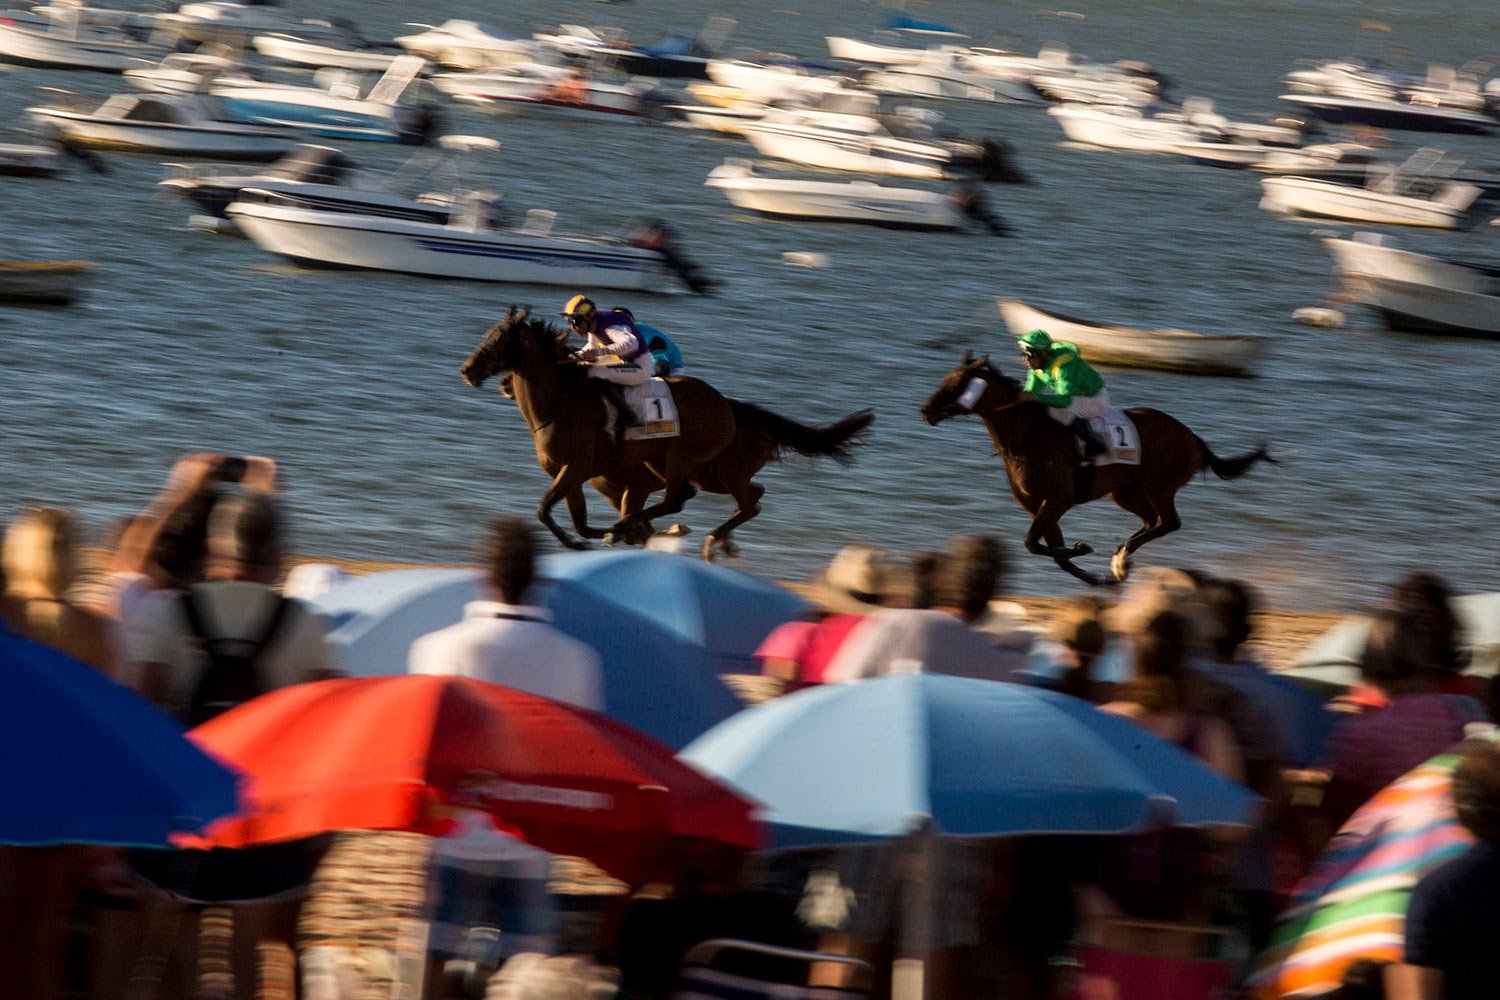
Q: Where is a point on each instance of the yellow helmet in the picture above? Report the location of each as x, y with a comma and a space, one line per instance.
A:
580, 307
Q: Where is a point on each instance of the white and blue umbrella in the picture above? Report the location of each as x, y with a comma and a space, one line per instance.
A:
960, 757
653, 680
84, 760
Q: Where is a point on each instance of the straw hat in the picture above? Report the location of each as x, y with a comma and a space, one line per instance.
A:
853, 581
1149, 591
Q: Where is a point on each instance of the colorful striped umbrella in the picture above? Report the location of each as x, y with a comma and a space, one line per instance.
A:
1353, 903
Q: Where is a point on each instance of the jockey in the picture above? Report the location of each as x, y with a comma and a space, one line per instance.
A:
1064, 383
616, 353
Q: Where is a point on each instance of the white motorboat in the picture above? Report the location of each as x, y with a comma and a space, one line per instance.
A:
1442, 86
676, 54
948, 73
1352, 162
68, 42
476, 243
302, 52
1416, 292
325, 178
25, 159
553, 90
764, 83
1164, 349
1163, 128
897, 46
1391, 112
184, 72
43, 282
772, 193
1416, 193
235, 22
1230, 155
179, 124
338, 105
461, 44
846, 131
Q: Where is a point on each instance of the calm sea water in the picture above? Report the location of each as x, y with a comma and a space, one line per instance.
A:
195, 341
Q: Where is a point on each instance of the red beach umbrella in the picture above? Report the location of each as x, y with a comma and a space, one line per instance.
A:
376, 753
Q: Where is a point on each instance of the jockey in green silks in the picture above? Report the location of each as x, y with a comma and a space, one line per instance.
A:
1064, 383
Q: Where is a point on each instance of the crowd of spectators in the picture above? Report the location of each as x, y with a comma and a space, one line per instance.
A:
188, 603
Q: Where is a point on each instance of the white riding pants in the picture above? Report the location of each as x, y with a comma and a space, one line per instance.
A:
1087, 407
626, 374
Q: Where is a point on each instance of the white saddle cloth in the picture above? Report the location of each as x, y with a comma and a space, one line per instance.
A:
655, 412
1117, 431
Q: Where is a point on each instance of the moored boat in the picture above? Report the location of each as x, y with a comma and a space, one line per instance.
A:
46, 282
1442, 205
1416, 292
748, 186
180, 124
1164, 349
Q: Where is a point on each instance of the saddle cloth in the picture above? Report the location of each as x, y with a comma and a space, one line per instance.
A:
1117, 431
655, 412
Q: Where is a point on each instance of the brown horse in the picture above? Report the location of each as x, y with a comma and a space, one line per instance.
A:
722, 445
1041, 462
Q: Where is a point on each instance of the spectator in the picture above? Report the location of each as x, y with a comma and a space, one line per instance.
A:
943, 640
1451, 921
1159, 696
854, 584
503, 640
1396, 719
1064, 661
224, 641
41, 567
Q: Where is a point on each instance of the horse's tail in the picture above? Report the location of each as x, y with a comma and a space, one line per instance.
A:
835, 441
1233, 468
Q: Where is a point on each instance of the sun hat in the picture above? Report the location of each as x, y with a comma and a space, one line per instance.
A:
853, 581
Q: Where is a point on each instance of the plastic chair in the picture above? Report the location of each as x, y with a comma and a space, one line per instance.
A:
745, 970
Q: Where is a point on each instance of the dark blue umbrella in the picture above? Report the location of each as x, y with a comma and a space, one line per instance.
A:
653, 680
961, 757
88, 761
725, 611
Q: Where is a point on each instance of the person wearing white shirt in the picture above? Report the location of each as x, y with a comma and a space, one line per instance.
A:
508, 642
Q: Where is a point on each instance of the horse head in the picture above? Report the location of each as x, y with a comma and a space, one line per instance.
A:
961, 388
507, 346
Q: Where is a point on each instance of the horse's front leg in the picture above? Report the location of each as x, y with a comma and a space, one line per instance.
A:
569, 479
1045, 527
578, 510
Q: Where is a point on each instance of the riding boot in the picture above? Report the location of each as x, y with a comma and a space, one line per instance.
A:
624, 416
1092, 446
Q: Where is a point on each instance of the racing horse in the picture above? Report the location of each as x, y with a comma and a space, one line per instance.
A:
722, 443
1041, 462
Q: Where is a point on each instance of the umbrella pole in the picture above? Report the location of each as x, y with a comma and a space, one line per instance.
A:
914, 935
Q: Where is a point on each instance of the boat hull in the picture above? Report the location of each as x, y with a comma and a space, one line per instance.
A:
1161, 349
326, 239
178, 140
869, 204
1328, 200
334, 120
1392, 114
1418, 293
286, 49
24, 46
1108, 131
851, 155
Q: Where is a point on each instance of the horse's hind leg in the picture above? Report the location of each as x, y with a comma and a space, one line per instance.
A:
747, 505
578, 509
1158, 517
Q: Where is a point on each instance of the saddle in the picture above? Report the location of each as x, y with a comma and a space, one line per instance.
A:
655, 411
1122, 441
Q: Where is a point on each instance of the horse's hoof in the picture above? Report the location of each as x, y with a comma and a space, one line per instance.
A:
709, 545
577, 545
675, 531
1119, 567
1082, 549
610, 538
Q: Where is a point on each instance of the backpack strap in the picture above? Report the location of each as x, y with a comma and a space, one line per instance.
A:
212, 644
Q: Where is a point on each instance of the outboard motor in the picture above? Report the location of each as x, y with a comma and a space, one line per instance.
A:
421, 125
656, 235
51, 135
988, 160
971, 202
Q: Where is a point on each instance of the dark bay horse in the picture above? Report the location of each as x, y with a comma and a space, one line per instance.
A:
722, 445
1042, 463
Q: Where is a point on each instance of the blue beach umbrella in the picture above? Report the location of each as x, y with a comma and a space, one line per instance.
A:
725, 611
84, 760
960, 757
653, 680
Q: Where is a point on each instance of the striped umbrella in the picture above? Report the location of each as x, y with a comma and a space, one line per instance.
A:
1353, 903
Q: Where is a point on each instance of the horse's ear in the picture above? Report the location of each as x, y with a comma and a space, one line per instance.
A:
522, 315
510, 312
963, 362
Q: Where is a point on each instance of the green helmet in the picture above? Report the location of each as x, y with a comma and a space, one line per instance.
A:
1035, 339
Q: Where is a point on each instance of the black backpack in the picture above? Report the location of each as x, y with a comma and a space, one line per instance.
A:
233, 673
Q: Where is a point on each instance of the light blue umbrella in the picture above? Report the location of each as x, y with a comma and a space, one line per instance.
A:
652, 679
84, 760
725, 611
962, 757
